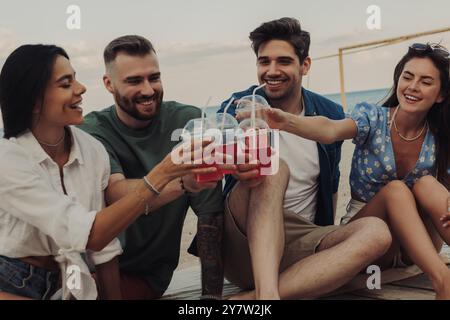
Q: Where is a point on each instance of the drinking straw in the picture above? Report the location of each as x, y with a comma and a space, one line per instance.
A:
253, 122
203, 116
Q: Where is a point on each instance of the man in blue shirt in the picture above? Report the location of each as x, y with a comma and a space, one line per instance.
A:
280, 241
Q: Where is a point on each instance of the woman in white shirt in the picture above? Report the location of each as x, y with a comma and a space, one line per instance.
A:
52, 179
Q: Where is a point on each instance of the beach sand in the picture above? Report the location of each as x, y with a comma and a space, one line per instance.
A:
190, 225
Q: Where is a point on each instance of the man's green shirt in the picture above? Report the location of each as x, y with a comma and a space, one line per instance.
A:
152, 243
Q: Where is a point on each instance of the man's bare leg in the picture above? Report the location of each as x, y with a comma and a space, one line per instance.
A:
262, 221
341, 255
265, 232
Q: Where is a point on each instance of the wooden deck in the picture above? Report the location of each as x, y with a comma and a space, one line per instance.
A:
414, 288
396, 284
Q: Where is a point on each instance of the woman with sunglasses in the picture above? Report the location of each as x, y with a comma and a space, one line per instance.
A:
52, 180
400, 166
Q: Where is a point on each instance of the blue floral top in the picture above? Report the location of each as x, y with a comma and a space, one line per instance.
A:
373, 163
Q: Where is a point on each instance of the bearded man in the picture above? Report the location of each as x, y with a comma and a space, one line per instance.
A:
136, 131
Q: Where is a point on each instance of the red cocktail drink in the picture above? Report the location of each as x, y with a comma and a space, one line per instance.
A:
258, 146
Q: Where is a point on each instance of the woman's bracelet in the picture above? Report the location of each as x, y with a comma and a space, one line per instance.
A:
142, 199
150, 186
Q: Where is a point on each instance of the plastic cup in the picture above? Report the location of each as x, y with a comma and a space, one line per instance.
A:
227, 144
256, 140
198, 129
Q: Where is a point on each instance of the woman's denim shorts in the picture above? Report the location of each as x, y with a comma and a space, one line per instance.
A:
23, 279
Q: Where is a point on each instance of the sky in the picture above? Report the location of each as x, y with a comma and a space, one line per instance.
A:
203, 45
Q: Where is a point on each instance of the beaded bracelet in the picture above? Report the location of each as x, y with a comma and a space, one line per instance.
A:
142, 199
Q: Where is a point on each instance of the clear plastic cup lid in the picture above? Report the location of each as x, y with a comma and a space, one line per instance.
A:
195, 128
223, 119
246, 102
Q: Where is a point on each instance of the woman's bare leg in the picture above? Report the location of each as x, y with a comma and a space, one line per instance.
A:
396, 205
432, 198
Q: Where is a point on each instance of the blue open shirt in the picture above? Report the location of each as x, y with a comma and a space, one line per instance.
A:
373, 163
329, 154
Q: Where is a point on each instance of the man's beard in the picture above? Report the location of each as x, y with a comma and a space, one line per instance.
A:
129, 105
279, 97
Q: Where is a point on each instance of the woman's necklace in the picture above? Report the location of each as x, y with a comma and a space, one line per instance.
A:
398, 131
53, 145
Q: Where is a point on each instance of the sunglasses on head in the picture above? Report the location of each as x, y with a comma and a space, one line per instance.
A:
430, 47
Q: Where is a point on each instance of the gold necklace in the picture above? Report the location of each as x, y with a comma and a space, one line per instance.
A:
398, 131
53, 145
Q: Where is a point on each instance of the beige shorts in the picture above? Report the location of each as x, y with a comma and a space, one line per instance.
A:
301, 240
353, 207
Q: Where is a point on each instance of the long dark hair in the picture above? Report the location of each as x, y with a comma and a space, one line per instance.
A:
23, 81
439, 115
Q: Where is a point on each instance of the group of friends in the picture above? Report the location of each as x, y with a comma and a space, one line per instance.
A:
102, 192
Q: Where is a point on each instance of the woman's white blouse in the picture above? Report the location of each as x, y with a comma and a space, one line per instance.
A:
38, 219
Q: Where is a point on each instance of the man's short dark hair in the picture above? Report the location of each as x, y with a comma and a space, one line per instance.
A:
287, 29
131, 44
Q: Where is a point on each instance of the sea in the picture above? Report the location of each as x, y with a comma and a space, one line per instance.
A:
371, 96
376, 96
